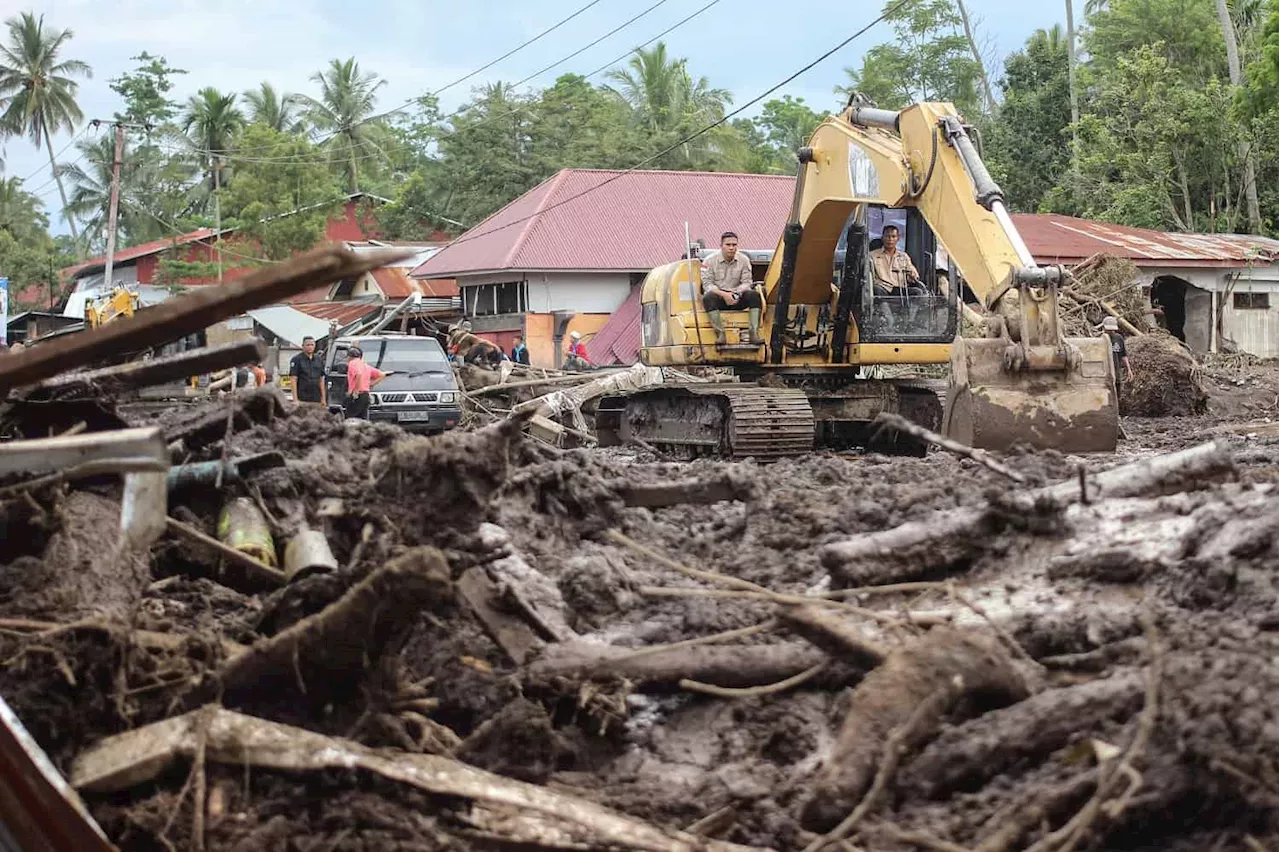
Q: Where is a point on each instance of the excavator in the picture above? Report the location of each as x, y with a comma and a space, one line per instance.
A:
811, 380
120, 303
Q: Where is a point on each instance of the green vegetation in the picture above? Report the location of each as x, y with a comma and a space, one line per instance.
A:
1166, 139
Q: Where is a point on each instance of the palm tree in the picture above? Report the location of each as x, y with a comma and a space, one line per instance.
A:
90, 178
344, 109
269, 107
661, 92
210, 121
20, 213
40, 92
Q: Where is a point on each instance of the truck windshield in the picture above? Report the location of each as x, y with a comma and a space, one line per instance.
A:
413, 356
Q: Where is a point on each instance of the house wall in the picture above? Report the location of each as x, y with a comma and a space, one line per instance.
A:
1254, 330
580, 292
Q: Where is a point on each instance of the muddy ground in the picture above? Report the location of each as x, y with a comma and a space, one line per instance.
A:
1124, 649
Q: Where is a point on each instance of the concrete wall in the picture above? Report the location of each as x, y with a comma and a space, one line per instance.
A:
580, 292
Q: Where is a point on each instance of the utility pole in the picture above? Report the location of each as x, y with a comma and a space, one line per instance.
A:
217, 211
113, 210
1075, 103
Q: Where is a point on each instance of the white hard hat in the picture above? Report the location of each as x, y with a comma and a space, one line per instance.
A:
1110, 324
574, 335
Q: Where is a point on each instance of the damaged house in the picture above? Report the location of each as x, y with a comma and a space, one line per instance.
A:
1218, 291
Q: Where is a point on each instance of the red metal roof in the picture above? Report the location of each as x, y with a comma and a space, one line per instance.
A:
614, 220
342, 312
395, 283
618, 340
142, 250
1053, 238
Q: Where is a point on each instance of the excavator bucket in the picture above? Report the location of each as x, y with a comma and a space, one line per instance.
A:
992, 407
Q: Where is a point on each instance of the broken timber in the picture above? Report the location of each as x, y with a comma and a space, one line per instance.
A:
141, 374
190, 313
136, 757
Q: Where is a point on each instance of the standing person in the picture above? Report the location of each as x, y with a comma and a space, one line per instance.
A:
361, 378
307, 370
1119, 354
519, 352
727, 286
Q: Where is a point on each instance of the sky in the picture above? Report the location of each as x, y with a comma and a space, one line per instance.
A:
745, 46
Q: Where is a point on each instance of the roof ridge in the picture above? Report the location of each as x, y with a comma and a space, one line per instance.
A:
531, 221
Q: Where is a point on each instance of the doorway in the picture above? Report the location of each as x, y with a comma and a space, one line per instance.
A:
1169, 294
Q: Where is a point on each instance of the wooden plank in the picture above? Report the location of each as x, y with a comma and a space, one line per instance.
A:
141, 374
191, 312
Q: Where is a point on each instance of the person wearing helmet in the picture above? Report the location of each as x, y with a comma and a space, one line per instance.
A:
1119, 354
576, 358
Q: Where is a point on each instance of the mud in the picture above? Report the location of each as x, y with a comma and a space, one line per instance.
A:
1167, 381
1180, 588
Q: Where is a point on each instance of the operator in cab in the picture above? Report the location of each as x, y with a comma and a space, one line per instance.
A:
727, 286
894, 274
894, 270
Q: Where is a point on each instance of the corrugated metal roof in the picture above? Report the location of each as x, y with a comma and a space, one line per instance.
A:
601, 219
142, 250
343, 312
395, 283
1053, 238
618, 340
289, 324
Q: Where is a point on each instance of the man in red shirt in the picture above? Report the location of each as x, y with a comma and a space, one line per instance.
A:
361, 378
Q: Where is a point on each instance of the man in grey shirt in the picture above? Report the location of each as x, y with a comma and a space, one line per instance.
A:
727, 286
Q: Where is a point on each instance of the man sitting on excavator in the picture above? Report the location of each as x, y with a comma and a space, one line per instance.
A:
895, 274
727, 286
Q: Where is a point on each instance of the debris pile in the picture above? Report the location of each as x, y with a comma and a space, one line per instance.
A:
1167, 379
245, 625
1104, 285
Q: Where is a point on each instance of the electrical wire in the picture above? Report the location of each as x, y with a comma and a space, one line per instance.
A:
486, 66
332, 160
179, 232
692, 136
61, 151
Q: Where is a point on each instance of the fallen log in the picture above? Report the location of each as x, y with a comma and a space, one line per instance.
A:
957, 536
190, 313
552, 381
734, 666
140, 374
936, 670
223, 736
689, 491
838, 636
327, 653
966, 757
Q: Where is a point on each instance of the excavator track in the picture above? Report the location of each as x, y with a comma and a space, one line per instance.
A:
724, 420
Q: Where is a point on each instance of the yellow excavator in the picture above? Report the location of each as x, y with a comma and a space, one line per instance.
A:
810, 381
120, 303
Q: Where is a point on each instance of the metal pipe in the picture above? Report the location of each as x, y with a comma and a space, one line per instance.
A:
985, 190
885, 119
1010, 231
411, 299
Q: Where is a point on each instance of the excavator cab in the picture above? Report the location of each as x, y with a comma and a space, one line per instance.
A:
927, 310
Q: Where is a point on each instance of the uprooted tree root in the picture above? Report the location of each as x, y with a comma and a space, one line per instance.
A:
935, 672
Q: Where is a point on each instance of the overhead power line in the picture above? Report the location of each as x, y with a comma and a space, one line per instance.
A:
444, 134
697, 133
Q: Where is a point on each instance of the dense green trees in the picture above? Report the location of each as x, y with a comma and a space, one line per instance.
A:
1177, 98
